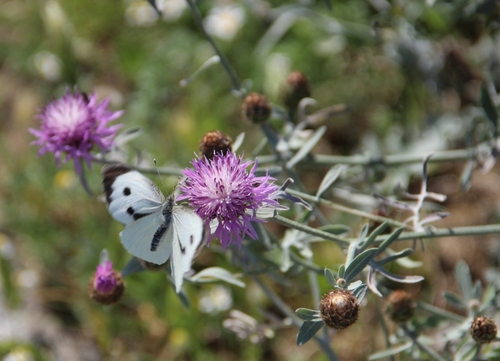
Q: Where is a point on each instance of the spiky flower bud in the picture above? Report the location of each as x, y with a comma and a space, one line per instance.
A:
483, 329
256, 108
215, 142
295, 88
400, 306
339, 309
106, 286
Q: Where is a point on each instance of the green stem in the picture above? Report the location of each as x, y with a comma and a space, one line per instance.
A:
440, 312
323, 343
225, 63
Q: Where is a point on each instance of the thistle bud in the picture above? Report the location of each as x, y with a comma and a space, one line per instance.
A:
400, 306
256, 108
295, 88
483, 329
215, 142
106, 286
339, 309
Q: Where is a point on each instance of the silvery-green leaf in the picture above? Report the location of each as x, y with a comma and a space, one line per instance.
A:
341, 272
336, 229
307, 147
388, 241
307, 331
378, 231
404, 253
466, 177
488, 298
464, 280
390, 351
330, 177
455, 299
395, 277
238, 142
133, 266
216, 273
308, 315
363, 233
405, 262
359, 292
477, 291
127, 135
372, 282
359, 263
271, 135
467, 351
330, 277
434, 217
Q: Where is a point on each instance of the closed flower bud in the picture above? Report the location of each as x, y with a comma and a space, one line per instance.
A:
400, 306
295, 88
256, 108
483, 329
339, 309
106, 286
215, 142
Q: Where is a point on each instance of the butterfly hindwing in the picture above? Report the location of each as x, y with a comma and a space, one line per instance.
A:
187, 237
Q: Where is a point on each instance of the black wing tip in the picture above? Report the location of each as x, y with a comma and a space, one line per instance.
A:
109, 174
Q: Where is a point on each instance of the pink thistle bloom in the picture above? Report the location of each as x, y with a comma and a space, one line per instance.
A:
223, 192
73, 125
105, 280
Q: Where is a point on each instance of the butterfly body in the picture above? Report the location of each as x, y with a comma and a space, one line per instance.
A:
156, 229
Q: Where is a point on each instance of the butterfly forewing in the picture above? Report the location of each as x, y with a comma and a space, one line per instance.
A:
187, 237
129, 194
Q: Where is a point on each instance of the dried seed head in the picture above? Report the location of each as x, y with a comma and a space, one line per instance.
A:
215, 142
295, 88
256, 108
400, 306
339, 309
483, 329
106, 286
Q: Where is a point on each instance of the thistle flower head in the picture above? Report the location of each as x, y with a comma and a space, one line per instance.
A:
106, 286
73, 125
224, 192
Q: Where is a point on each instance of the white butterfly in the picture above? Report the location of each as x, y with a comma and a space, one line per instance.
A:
156, 229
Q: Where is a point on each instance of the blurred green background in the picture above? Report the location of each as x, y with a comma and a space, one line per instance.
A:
401, 66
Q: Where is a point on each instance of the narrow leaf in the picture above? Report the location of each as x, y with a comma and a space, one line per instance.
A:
216, 273
454, 299
330, 277
464, 280
489, 106
341, 271
307, 147
390, 351
238, 142
360, 292
307, 331
404, 253
330, 177
466, 177
397, 278
359, 263
377, 232
308, 315
388, 241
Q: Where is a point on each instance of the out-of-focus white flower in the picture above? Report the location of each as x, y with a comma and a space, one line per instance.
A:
225, 21
140, 14
215, 300
48, 65
171, 10
19, 353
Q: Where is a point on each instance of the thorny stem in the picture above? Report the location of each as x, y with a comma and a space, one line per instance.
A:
323, 342
225, 63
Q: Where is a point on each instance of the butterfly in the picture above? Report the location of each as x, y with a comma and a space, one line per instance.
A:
156, 228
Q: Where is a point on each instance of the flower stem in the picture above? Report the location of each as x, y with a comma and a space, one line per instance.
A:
440, 312
323, 342
225, 63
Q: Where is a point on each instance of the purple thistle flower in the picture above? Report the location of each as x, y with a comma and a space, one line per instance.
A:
105, 278
223, 191
73, 124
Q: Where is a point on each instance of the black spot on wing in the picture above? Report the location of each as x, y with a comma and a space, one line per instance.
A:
109, 174
140, 215
130, 211
126, 191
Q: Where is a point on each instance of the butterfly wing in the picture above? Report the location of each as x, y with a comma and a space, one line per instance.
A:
129, 194
138, 236
136, 201
187, 236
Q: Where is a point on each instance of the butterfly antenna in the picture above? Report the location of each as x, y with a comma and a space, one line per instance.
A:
159, 174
